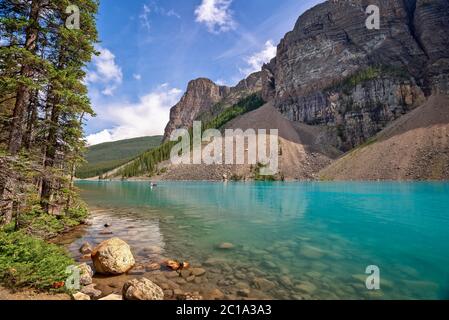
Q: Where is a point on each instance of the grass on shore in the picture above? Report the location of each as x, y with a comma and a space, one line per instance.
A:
26, 259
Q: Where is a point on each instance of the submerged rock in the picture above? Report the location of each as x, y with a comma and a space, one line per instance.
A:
153, 266
263, 284
306, 287
216, 294
173, 264
153, 250
113, 256
198, 272
225, 246
243, 293
86, 248
142, 289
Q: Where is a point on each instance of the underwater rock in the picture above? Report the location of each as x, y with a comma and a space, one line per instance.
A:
225, 246
263, 284
198, 272
86, 248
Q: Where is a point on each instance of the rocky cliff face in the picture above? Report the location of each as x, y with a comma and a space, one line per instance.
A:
200, 96
332, 71
205, 98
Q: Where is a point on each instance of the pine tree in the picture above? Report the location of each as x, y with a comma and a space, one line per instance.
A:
43, 98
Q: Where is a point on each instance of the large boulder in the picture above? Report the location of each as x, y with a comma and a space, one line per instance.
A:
142, 289
113, 256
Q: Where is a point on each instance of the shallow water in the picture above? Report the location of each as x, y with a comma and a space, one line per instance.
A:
310, 240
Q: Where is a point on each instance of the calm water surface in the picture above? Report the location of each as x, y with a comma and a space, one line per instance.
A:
311, 240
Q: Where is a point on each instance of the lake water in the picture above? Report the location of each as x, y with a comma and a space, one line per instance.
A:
309, 240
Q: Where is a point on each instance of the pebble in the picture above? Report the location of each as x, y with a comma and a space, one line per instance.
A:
225, 245
185, 273
80, 296
216, 294
86, 249
243, 292
306, 287
180, 281
198, 272
197, 280
242, 285
172, 274
269, 264
153, 266
263, 284
178, 293
286, 281
240, 276
112, 297
168, 293
91, 291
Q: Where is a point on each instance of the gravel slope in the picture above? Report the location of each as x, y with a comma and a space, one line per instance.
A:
302, 152
415, 147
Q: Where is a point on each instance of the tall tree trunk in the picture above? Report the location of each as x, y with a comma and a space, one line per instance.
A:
23, 92
50, 155
31, 121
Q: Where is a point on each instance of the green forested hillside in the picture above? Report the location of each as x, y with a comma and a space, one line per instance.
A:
147, 162
107, 156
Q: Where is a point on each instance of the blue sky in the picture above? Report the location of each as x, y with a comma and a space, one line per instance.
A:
151, 49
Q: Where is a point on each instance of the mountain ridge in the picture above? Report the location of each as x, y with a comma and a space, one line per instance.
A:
333, 74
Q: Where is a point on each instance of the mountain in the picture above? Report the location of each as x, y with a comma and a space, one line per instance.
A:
339, 80
204, 99
332, 71
302, 155
414, 147
104, 157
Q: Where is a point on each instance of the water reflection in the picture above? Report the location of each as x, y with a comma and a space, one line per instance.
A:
311, 240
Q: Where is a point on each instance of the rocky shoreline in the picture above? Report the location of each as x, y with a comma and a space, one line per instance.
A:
113, 258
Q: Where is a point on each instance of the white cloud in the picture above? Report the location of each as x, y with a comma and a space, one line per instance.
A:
172, 13
147, 117
106, 71
256, 61
144, 17
148, 9
137, 76
216, 15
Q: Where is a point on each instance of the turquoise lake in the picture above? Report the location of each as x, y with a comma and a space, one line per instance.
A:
309, 240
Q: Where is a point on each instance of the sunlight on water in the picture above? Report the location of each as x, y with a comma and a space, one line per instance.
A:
309, 240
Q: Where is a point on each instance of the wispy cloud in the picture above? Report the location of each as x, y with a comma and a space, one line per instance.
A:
146, 117
153, 8
106, 72
216, 15
145, 17
137, 76
255, 61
